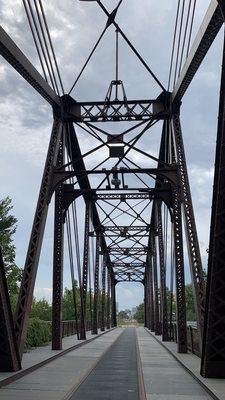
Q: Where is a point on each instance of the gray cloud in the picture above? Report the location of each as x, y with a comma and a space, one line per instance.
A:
26, 119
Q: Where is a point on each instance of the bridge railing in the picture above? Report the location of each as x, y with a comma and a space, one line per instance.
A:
192, 338
69, 327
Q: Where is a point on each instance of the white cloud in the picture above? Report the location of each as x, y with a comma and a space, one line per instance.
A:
25, 119
44, 292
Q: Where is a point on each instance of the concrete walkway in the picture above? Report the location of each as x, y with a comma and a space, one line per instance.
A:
164, 377
54, 380
193, 363
42, 353
106, 361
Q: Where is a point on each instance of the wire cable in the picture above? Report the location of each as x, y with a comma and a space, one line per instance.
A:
179, 40
173, 46
51, 45
191, 28
35, 40
46, 45
184, 37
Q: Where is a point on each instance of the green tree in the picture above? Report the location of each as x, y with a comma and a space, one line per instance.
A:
139, 315
41, 309
123, 314
190, 303
7, 230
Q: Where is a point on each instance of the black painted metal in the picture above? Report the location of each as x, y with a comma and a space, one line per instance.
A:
108, 320
103, 294
145, 260
58, 259
34, 249
85, 273
213, 352
179, 267
113, 303
9, 353
198, 282
96, 288
164, 311
157, 327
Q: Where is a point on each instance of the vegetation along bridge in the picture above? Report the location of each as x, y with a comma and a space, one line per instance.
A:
123, 205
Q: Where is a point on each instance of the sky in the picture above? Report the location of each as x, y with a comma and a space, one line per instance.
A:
25, 118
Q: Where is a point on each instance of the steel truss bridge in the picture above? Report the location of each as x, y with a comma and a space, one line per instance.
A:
128, 194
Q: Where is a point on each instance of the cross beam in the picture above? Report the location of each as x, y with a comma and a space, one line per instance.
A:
209, 28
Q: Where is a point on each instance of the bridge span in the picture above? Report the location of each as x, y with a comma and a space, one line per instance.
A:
121, 364
117, 172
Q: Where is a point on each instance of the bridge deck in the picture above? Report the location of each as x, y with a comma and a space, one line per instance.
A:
109, 368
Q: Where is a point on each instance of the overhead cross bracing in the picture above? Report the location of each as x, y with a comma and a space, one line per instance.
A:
117, 168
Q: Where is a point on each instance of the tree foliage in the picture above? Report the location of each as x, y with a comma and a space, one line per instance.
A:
8, 225
190, 303
123, 314
139, 315
41, 309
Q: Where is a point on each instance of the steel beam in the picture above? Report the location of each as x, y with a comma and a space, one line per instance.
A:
117, 111
113, 303
162, 274
96, 288
15, 57
155, 280
151, 294
198, 282
78, 165
108, 300
180, 279
9, 354
57, 293
213, 350
103, 295
210, 26
34, 249
85, 273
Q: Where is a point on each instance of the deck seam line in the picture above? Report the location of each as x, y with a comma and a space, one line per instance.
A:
142, 391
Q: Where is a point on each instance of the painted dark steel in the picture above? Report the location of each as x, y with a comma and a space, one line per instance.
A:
15, 57
85, 273
57, 294
9, 353
213, 351
96, 288
163, 301
197, 275
179, 268
34, 249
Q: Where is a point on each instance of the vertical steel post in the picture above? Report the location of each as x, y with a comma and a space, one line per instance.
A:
213, 350
85, 273
179, 266
198, 282
165, 336
156, 289
34, 249
96, 288
103, 294
58, 259
9, 354
113, 303
108, 300
146, 299
151, 295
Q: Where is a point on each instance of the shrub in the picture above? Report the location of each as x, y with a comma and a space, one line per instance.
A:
39, 333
